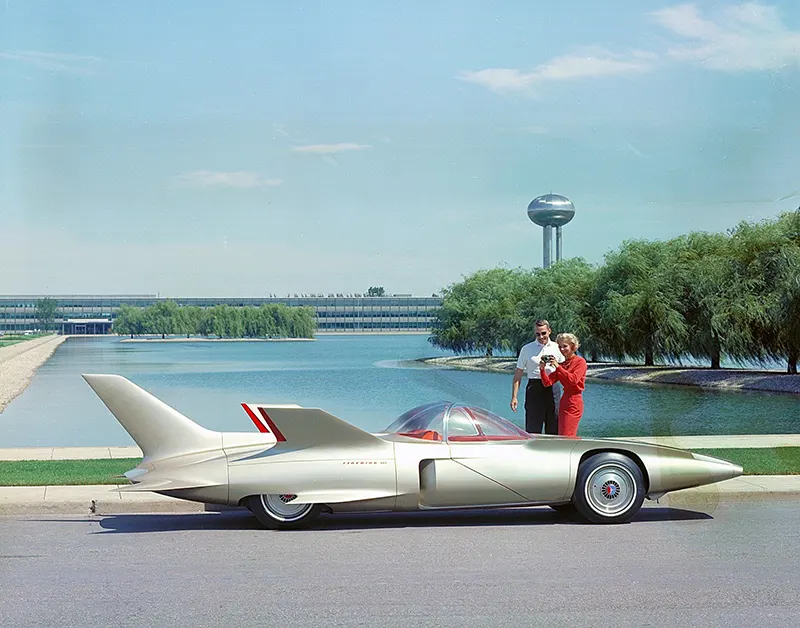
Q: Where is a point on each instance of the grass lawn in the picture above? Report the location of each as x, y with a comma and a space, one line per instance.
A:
7, 340
65, 472
761, 461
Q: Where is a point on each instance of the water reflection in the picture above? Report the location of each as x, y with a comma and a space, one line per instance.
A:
366, 380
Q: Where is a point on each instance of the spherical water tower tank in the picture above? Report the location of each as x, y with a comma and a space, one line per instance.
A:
548, 211
551, 210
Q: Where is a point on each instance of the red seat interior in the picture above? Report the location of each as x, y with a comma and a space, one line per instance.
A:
423, 434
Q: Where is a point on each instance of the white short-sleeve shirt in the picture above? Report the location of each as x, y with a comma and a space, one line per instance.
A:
531, 354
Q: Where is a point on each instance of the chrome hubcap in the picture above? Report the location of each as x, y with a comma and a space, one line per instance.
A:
283, 508
610, 489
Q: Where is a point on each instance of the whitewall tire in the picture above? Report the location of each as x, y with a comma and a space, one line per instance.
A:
278, 512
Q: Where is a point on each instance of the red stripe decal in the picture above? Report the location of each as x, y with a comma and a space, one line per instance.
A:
281, 438
261, 427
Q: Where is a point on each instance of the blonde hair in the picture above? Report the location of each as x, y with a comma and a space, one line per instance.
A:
570, 339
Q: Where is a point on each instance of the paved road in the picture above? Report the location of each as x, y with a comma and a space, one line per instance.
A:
737, 566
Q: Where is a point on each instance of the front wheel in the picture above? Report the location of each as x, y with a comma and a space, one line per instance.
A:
609, 488
278, 512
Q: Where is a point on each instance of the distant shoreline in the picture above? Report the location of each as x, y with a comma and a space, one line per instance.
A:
699, 377
200, 339
18, 364
175, 338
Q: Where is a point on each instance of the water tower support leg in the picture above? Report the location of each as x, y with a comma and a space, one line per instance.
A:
558, 244
547, 245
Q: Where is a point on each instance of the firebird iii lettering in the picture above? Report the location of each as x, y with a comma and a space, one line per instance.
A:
365, 462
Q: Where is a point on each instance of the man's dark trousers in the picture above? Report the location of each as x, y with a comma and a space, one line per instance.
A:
540, 408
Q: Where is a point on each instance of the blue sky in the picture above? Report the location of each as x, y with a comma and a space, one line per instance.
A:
255, 148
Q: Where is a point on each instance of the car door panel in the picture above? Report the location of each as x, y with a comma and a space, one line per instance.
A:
448, 483
537, 470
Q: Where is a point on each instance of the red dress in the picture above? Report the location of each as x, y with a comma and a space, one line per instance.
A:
572, 375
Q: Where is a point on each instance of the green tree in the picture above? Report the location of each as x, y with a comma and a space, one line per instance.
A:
376, 291
302, 322
787, 281
561, 294
225, 322
639, 304
718, 301
267, 324
768, 254
481, 313
45, 312
188, 320
161, 318
129, 320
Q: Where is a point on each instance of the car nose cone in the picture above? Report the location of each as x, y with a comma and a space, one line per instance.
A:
719, 469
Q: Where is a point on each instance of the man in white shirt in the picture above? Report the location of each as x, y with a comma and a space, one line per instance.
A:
540, 406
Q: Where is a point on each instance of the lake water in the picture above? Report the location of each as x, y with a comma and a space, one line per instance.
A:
366, 380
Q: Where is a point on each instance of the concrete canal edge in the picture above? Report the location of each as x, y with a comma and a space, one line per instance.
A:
719, 379
18, 364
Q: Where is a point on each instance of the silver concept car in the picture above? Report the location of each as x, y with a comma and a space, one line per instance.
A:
442, 455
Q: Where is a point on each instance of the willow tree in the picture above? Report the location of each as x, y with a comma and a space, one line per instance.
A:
769, 256
187, 320
561, 294
222, 321
639, 303
161, 318
129, 321
719, 300
787, 278
302, 321
481, 313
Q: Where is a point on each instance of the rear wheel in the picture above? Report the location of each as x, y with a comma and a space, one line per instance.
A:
609, 488
279, 512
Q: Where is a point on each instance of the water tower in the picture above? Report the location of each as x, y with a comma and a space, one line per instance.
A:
548, 211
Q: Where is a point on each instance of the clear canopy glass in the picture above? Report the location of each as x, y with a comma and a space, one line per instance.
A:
455, 423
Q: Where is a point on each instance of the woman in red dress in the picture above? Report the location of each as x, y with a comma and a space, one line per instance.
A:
572, 375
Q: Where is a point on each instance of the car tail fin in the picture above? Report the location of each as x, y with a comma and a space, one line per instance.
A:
158, 429
300, 427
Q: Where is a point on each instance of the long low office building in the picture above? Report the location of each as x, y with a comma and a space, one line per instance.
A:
83, 314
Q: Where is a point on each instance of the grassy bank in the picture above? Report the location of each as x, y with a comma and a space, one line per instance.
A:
65, 472
6, 340
761, 461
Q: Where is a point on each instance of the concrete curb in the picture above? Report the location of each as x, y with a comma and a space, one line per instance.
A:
100, 508
104, 499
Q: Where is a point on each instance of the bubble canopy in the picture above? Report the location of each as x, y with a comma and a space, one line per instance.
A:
454, 423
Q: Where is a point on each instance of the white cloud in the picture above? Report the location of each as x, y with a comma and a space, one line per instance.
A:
592, 64
329, 149
745, 37
54, 61
206, 178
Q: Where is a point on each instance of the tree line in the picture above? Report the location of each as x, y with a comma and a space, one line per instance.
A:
706, 296
272, 320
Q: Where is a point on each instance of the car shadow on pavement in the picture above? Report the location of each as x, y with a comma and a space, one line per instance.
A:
243, 520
